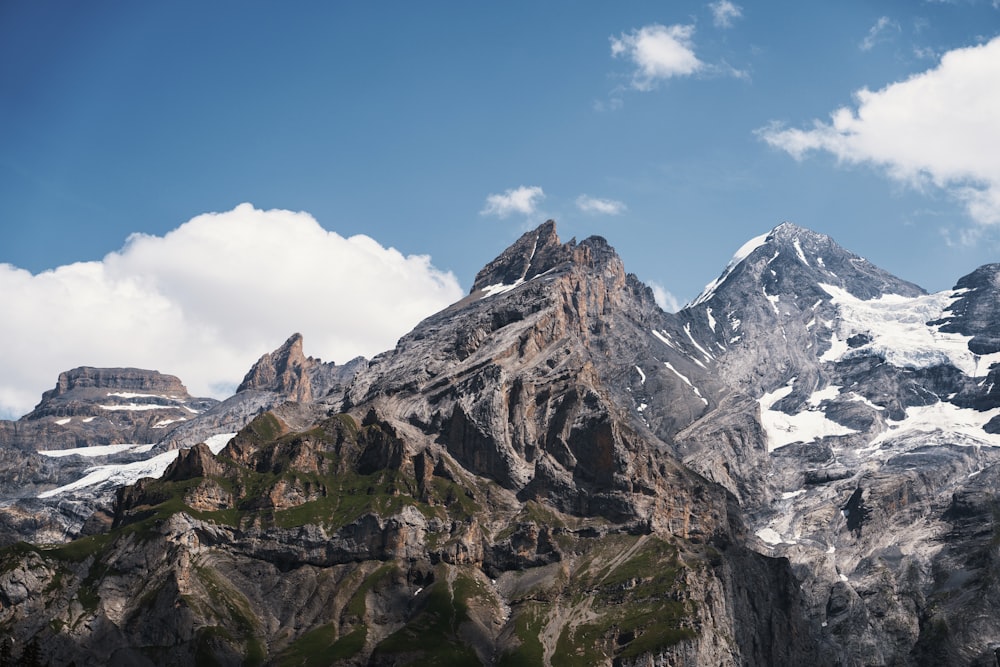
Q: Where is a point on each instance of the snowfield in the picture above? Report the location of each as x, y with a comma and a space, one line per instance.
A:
897, 326
782, 429
123, 474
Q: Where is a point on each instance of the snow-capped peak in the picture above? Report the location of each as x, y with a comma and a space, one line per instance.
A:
738, 257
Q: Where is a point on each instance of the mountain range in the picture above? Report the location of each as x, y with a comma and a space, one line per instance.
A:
798, 467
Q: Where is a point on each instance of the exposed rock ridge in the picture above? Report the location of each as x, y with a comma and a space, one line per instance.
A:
286, 370
535, 252
132, 379
976, 312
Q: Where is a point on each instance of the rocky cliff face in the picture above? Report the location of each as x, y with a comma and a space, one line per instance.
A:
799, 467
875, 404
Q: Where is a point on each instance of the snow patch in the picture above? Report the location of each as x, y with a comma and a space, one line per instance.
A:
773, 299
96, 450
711, 320
770, 536
827, 394
134, 406
642, 376
88, 420
782, 429
798, 251
687, 330
664, 338
500, 288
163, 423
686, 381
115, 475
863, 399
63, 422
130, 395
740, 255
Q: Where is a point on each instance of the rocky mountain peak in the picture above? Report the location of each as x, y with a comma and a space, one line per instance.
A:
977, 310
121, 379
794, 261
285, 371
535, 252
79, 389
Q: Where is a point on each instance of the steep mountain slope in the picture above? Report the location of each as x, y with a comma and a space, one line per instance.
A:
797, 468
877, 406
498, 489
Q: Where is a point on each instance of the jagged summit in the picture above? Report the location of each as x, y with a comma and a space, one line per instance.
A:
283, 370
288, 372
792, 260
535, 252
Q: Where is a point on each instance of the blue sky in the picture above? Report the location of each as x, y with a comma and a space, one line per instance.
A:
677, 130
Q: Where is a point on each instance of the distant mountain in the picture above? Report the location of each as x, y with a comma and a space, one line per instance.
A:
799, 467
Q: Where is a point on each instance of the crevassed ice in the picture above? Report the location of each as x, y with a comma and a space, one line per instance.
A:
899, 331
944, 418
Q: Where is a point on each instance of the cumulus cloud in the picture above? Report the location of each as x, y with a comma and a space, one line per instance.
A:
204, 301
658, 53
523, 200
877, 32
664, 299
724, 13
589, 204
939, 128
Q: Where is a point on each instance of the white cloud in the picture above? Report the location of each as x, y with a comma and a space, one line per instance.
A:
872, 38
522, 200
658, 52
589, 204
724, 13
204, 301
664, 299
938, 128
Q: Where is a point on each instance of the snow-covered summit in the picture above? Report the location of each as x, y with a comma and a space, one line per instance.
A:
793, 261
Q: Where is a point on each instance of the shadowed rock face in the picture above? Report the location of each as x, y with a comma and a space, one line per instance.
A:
977, 312
797, 468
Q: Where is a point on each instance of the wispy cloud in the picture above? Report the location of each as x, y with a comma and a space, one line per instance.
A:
724, 13
658, 53
664, 299
940, 128
523, 200
589, 204
204, 301
877, 33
